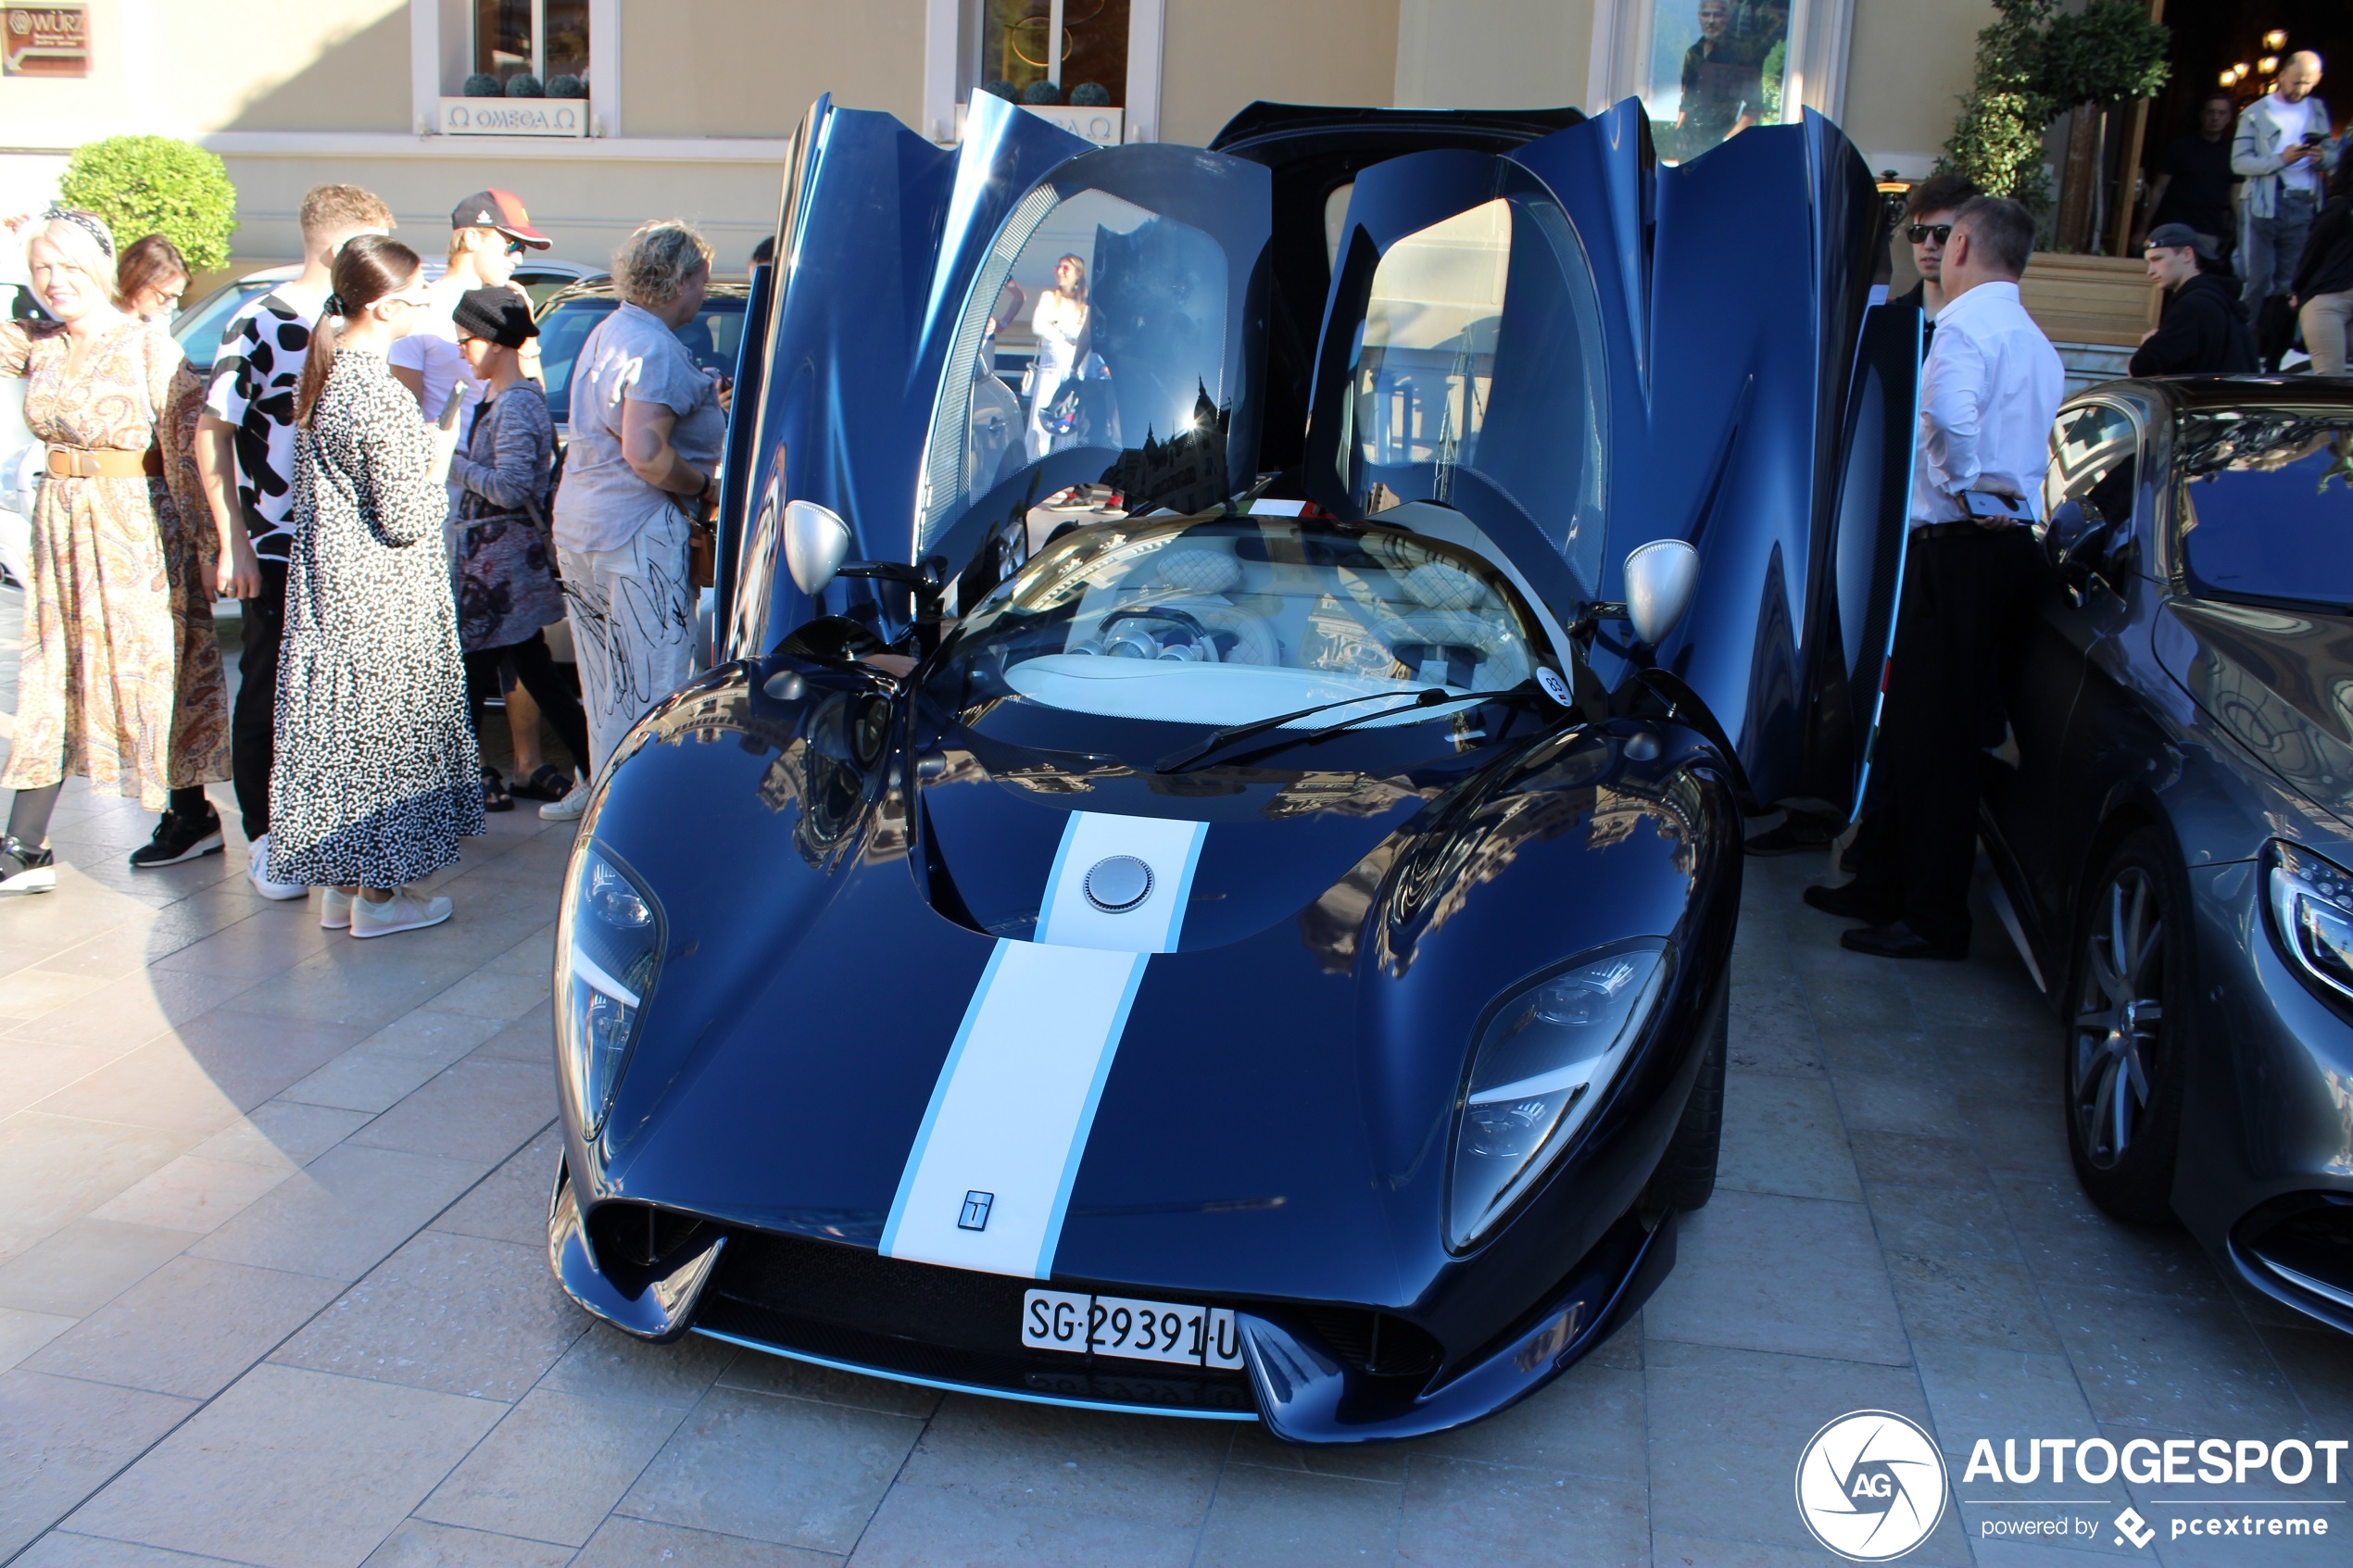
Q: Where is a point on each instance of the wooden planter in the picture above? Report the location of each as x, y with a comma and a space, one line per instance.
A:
2096, 299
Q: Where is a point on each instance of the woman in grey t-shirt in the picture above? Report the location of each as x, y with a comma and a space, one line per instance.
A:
647, 429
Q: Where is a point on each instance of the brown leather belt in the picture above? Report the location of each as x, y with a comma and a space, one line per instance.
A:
103, 462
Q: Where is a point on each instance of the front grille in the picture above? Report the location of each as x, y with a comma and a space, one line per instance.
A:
1377, 1343
638, 1235
851, 1305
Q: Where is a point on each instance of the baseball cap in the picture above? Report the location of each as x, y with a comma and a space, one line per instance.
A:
2174, 236
501, 211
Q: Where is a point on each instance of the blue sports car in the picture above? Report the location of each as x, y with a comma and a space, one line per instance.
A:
1202, 876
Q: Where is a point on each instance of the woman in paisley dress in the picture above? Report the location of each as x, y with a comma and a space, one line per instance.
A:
377, 774
96, 677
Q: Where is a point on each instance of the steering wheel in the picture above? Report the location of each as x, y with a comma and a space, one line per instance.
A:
1191, 622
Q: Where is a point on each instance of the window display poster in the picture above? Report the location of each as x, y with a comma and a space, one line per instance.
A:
1715, 69
45, 40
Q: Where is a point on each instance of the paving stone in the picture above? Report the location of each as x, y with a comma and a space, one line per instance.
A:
1970, 1301
1672, 1550
510, 1204
1726, 1429
2187, 1364
85, 1265
633, 1543
193, 1193
475, 1110
500, 995
1940, 1225
608, 1364
1974, 1392
61, 1548
283, 1134
1291, 1518
133, 1012
30, 1071
946, 1527
1897, 1101
437, 1037
530, 1038
2021, 1135
61, 1439
59, 1168
1142, 1468
1949, 1163
343, 1213
292, 1469
788, 1470
418, 1543
1781, 1134
256, 947
2068, 1243
1793, 1274
365, 1079
1586, 1422
1772, 1031
190, 1328
554, 1467
454, 1313
24, 1333
1352, 1462
1476, 1515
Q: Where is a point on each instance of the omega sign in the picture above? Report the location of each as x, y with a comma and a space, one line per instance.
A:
514, 117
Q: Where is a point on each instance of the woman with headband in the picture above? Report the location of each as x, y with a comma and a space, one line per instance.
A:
96, 680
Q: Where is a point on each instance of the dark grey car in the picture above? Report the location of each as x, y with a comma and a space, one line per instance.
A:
2176, 836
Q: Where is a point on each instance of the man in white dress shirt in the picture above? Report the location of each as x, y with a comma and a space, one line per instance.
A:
1973, 573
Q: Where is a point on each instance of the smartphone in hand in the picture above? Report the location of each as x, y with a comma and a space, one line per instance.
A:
450, 409
1986, 505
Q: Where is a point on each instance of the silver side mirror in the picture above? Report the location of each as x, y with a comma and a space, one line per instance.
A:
816, 540
1659, 580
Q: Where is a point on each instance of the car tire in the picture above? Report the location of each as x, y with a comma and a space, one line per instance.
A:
2127, 1031
1686, 1174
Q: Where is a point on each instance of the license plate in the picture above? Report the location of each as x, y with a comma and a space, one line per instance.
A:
1120, 1325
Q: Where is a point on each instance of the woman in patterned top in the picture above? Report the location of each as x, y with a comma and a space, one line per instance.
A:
94, 685
376, 776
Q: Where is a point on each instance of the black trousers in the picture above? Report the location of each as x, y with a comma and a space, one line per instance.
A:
1969, 600
253, 724
536, 668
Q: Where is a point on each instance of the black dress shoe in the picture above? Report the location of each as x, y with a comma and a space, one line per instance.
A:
179, 838
1896, 941
1846, 902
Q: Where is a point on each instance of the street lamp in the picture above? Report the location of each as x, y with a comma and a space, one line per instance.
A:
2275, 40
2267, 64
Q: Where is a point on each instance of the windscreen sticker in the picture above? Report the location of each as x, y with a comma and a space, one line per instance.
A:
989, 1177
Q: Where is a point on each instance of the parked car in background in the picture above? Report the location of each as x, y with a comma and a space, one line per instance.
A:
2176, 840
198, 327
567, 316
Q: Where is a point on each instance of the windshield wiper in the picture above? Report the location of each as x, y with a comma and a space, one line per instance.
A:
1430, 697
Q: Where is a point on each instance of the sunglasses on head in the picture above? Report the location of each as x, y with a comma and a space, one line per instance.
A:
1919, 234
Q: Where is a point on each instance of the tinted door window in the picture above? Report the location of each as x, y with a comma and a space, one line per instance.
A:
2089, 487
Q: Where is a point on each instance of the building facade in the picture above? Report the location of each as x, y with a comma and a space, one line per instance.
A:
686, 108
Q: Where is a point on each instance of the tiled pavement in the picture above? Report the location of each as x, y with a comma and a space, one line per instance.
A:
272, 1290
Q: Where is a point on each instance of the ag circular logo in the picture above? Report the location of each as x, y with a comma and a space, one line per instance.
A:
1871, 1486
1554, 687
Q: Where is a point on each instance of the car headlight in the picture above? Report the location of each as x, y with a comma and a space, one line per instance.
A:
1543, 1064
609, 947
2313, 914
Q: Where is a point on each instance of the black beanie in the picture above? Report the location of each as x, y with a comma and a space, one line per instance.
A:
500, 315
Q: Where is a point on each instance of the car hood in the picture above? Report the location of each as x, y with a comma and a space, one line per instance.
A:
2278, 681
1270, 1115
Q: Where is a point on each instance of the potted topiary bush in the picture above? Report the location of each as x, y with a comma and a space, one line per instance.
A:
565, 85
525, 85
482, 84
143, 185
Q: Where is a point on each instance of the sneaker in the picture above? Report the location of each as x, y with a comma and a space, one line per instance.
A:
179, 838
26, 869
335, 909
570, 808
403, 911
257, 869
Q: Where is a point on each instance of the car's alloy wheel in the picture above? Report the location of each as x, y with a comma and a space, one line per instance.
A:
2123, 1040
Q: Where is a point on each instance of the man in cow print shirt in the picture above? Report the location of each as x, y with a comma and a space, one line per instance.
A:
246, 454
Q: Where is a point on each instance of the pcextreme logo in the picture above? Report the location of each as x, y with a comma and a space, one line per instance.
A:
1871, 1486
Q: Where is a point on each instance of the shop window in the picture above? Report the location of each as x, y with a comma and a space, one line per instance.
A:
1049, 52
545, 39
1716, 68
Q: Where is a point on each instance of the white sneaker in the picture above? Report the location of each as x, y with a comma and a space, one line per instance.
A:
257, 870
570, 808
403, 911
335, 909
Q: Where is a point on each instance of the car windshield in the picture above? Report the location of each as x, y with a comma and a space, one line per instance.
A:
1230, 619
711, 337
2267, 507
198, 331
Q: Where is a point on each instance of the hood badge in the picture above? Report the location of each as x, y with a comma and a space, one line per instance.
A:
975, 1212
1117, 884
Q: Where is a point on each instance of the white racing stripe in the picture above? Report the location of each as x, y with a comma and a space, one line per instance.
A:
1010, 1114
